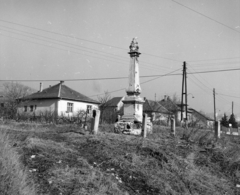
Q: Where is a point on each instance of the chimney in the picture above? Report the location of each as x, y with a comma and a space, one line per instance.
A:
40, 90
165, 97
60, 88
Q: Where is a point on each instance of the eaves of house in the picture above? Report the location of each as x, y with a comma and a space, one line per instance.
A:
59, 91
152, 106
202, 115
113, 102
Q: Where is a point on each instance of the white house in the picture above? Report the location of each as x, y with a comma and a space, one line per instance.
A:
58, 99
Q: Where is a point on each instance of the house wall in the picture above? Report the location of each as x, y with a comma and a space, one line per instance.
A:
201, 121
178, 116
39, 106
120, 104
55, 105
77, 106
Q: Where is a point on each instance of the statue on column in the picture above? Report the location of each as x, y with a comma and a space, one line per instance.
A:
134, 45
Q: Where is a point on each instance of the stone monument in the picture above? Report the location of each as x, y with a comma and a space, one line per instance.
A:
131, 121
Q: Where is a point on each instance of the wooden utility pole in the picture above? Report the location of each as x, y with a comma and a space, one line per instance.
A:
184, 92
232, 107
214, 105
217, 126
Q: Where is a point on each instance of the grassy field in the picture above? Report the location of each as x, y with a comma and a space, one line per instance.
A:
64, 159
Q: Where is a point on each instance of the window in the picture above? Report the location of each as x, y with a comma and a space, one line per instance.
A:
69, 107
31, 108
25, 108
2, 105
89, 109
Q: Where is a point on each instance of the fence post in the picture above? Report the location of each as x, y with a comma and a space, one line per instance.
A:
96, 122
217, 130
145, 125
173, 126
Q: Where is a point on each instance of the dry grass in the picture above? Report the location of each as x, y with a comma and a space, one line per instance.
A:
14, 178
62, 161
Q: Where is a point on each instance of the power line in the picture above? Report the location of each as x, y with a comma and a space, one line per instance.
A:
81, 39
216, 59
112, 60
110, 55
140, 83
228, 95
117, 78
200, 81
199, 86
60, 34
208, 87
206, 16
211, 71
214, 64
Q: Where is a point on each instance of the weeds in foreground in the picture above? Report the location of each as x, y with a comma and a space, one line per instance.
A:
14, 178
192, 162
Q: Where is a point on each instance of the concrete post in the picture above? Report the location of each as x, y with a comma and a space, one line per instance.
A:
173, 126
217, 130
145, 126
96, 122
92, 121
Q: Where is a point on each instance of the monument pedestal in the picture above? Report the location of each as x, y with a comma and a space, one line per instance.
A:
131, 121
133, 109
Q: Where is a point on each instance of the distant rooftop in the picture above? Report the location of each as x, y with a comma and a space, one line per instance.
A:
153, 106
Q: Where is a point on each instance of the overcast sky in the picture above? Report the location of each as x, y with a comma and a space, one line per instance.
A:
81, 39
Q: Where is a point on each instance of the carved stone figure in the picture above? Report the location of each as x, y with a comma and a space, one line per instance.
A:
134, 45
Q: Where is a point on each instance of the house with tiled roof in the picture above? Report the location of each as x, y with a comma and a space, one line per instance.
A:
175, 108
114, 103
114, 107
58, 99
200, 120
111, 109
156, 111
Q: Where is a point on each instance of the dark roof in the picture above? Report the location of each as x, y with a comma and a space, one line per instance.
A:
152, 106
60, 91
169, 104
199, 113
113, 102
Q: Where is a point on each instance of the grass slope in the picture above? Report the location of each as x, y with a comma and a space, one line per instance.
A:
66, 160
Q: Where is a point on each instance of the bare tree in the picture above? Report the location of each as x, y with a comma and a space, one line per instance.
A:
12, 92
176, 99
104, 105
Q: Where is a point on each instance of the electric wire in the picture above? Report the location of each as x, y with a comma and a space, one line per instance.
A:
206, 16
167, 74
82, 54
115, 78
114, 56
228, 95
81, 39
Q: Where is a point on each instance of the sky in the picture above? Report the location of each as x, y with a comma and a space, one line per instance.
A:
42, 41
